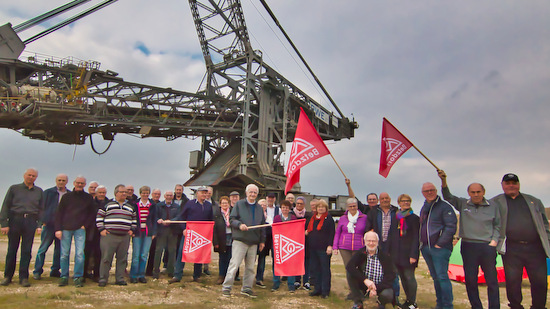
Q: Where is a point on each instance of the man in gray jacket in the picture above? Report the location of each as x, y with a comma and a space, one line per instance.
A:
246, 240
524, 242
479, 230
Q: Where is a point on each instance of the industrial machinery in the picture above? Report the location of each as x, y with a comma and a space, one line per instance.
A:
245, 112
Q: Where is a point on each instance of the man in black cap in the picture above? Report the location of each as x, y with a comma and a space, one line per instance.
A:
524, 242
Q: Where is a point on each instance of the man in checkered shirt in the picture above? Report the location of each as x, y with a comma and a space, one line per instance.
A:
372, 274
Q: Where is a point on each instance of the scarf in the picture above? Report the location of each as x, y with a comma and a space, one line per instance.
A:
300, 214
402, 225
352, 222
225, 214
319, 225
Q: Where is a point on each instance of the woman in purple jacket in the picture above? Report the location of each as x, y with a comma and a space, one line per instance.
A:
348, 238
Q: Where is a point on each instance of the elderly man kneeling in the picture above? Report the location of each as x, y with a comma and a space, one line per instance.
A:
372, 274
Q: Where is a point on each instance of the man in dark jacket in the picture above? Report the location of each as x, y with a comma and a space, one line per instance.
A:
52, 196
165, 234
21, 210
524, 242
73, 217
437, 228
371, 272
246, 242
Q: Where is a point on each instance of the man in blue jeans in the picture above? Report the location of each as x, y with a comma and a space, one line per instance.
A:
75, 213
52, 196
437, 228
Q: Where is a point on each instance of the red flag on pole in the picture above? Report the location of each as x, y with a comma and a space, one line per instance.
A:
197, 247
394, 145
288, 247
307, 147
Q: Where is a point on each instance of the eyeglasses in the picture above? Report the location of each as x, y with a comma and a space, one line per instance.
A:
405, 201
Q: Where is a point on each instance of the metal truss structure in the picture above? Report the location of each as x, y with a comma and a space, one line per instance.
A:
245, 111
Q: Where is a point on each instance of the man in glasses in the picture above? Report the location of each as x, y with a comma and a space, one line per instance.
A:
437, 228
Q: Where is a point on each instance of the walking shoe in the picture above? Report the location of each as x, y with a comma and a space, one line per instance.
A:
24, 282
296, 285
291, 290
315, 293
142, 280
260, 284
274, 288
121, 283
5, 282
206, 272
409, 305
64, 281
102, 284
226, 293
79, 282
220, 280
307, 286
249, 293
36, 276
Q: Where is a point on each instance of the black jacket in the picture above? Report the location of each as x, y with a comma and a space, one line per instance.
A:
356, 269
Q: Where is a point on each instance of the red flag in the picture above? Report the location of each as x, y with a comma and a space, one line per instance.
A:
307, 147
197, 247
288, 247
394, 145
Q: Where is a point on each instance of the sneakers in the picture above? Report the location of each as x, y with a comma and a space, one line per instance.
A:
142, 280
102, 284
64, 281
174, 280
260, 284
133, 280
409, 305
226, 293
121, 283
307, 286
220, 280
24, 282
249, 293
274, 288
79, 282
37, 276
5, 282
296, 285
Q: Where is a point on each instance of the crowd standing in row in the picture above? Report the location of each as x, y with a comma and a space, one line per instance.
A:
379, 243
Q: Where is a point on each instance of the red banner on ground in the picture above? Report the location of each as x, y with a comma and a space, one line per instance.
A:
307, 147
197, 247
289, 247
394, 145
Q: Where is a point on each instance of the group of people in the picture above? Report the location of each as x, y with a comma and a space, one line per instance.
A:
380, 244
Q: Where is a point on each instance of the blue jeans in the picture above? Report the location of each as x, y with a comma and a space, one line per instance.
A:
47, 237
79, 240
140, 252
179, 265
320, 265
438, 264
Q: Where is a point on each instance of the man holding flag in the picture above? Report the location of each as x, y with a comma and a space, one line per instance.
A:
246, 214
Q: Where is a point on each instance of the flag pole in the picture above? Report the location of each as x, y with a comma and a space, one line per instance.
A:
437, 168
338, 165
258, 226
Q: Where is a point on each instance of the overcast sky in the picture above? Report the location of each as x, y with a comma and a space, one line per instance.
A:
468, 82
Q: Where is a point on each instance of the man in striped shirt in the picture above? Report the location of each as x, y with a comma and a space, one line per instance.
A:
116, 223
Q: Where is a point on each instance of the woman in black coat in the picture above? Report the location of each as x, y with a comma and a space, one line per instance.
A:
222, 236
405, 248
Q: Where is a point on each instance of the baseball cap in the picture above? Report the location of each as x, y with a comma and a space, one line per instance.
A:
510, 177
